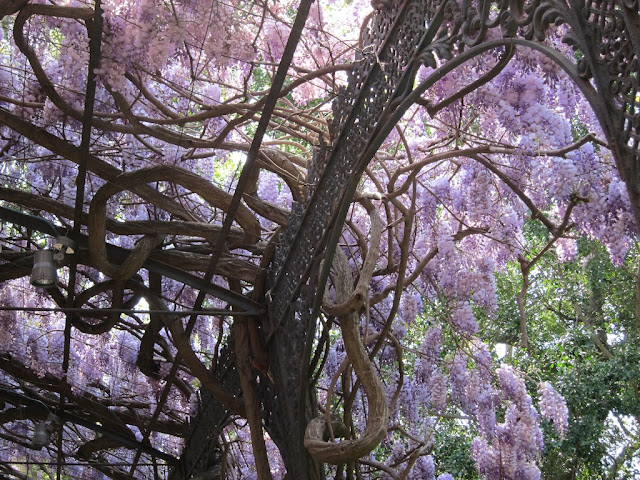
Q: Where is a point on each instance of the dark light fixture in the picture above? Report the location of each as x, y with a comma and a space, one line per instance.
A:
44, 273
41, 436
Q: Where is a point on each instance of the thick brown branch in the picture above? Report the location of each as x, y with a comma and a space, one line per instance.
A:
105, 171
361, 291
97, 214
378, 419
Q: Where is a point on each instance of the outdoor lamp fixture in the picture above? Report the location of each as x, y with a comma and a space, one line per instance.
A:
44, 273
41, 436
43, 430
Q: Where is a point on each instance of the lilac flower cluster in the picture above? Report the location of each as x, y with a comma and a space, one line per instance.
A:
425, 468
509, 451
464, 319
554, 407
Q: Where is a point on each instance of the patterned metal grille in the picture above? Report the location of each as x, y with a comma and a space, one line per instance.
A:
389, 46
616, 31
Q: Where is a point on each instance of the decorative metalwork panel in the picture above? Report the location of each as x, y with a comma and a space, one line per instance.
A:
387, 50
616, 31
388, 47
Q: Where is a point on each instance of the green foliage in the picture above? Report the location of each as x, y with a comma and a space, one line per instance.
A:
453, 443
584, 339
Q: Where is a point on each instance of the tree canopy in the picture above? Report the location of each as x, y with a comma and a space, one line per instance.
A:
481, 314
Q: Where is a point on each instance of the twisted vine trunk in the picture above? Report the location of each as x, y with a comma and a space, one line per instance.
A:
348, 311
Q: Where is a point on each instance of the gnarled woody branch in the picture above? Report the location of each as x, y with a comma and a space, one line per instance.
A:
102, 325
95, 165
356, 299
97, 213
378, 420
228, 266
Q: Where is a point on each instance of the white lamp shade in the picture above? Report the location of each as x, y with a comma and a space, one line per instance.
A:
44, 269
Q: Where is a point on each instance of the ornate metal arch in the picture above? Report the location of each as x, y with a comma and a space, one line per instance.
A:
604, 36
